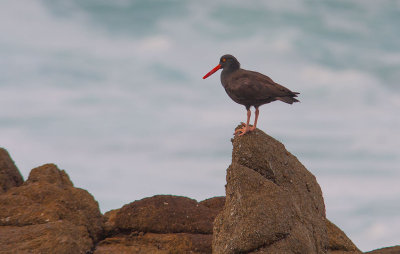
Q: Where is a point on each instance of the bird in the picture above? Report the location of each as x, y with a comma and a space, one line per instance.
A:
249, 88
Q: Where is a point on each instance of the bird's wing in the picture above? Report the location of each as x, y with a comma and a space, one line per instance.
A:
254, 85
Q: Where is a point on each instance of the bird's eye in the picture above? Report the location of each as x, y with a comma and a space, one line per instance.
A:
223, 60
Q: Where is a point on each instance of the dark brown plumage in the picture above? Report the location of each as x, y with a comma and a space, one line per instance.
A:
250, 88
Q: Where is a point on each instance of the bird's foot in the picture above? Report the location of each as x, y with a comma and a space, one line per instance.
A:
246, 128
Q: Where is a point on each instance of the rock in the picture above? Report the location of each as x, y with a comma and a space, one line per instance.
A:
161, 224
388, 250
155, 243
9, 173
109, 225
49, 173
166, 214
53, 237
339, 243
273, 204
48, 204
216, 203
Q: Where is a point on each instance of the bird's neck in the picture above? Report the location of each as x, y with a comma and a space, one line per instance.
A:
233, 66
230, 68
226, 73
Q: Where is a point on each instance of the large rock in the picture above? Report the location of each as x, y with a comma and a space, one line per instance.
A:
387, 250
47, 211
9, 173
216, 203
154, 243
53, 237
339, 243
161, 224
166, 214
273, 204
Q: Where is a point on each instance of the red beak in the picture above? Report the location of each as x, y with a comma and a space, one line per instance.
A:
216, 68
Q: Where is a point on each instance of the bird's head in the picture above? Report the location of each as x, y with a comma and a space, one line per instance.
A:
228, 62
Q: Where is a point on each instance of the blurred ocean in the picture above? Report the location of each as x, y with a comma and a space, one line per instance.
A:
112, 92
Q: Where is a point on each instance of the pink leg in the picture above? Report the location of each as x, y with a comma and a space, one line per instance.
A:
246, 128
255, 120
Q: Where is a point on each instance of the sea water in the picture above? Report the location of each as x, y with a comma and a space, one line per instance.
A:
111, 91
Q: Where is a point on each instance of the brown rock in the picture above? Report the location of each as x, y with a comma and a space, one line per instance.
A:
9, 173
273, 204
109, 225
339, 243
49, 173
216, 203
166, 214
53, 237
388, 250
161, 224
155, 243
48, 198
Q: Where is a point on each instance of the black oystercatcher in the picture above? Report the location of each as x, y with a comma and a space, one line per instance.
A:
249, 88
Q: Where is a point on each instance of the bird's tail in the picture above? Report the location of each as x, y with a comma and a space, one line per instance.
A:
289, 99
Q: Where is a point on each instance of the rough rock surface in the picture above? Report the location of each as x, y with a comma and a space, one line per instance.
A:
52, 237
339, 243
273, 204
166, 214
48, 212
9, 174
161, 224
109, 222
216, 203
155, 243
388, 250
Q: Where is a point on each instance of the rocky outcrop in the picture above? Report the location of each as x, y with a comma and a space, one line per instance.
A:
161, 224
388, 250
155, 243
48, 213
216, 203
166, 214
273, 204
9, 174
338, 242
51, 237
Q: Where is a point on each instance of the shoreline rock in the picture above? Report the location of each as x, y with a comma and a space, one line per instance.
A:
47, 212
161, 224
272, 205
9, 173
387, 250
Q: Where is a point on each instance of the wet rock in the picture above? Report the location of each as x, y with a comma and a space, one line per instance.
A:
273, 204
9, 173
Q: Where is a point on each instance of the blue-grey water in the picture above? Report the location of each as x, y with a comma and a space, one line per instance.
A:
111, 91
